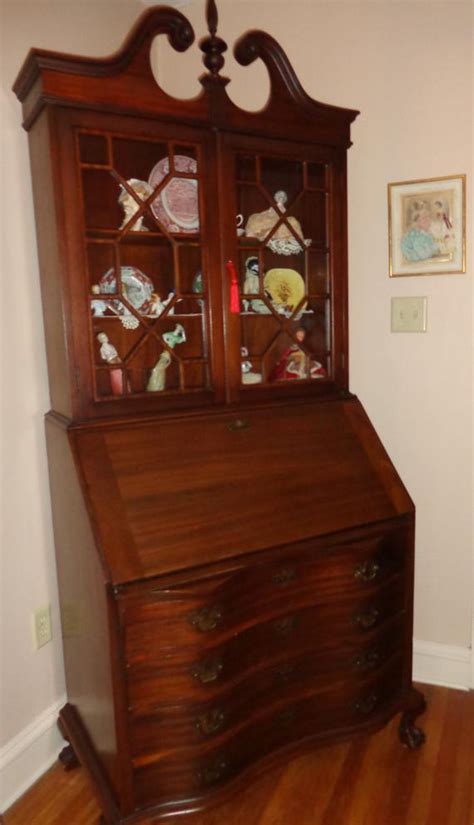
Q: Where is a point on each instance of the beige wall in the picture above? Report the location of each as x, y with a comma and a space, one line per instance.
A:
32, 680
408, 68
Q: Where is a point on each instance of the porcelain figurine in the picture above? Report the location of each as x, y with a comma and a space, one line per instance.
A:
252, 287
283, 241
100, 307
157, 306
130, 205
248, 377
109, 354
157, 380
197, 282
295, 364
177, 336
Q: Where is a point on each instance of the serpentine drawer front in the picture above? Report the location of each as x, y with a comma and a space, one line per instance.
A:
210, 712
214, 608
205, 668
211, 761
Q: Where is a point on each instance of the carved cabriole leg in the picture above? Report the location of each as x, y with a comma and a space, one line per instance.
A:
409, 734
67, 757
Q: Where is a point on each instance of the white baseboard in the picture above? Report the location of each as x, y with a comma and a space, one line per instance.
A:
29, 754
444, 665
34, 749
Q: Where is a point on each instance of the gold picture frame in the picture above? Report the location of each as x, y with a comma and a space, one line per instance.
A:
427, 226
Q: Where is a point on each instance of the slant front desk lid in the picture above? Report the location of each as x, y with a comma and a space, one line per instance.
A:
169, 494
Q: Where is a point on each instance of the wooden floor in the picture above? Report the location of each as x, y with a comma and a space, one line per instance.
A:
370, 781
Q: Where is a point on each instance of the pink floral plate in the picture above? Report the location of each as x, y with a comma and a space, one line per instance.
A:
176, 207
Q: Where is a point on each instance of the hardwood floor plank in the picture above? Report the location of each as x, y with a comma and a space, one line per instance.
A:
58, 798
447, 762
340, 801
368, 781
432, 724
463, 786
305, 788
405, 774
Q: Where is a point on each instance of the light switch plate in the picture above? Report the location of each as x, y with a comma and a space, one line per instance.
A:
409, 314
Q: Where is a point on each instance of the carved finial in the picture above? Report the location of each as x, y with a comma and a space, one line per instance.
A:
213, 46
211, 16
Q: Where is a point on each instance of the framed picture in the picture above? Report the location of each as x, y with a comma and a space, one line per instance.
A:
427, 226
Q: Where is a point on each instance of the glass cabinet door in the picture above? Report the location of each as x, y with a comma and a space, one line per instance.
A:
281, 263
147, 286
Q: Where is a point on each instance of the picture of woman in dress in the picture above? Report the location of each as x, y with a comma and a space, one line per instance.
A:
429, 233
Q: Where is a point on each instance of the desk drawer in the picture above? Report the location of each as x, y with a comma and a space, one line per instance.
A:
206, 612
193, 770
210, 714
198, 672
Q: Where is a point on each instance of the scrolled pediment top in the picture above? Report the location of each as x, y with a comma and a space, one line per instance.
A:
283, 79
154, 21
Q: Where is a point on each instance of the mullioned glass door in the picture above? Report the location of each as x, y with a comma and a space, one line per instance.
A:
280, 268
146, 279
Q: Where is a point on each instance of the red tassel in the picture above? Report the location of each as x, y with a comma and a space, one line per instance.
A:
234, 288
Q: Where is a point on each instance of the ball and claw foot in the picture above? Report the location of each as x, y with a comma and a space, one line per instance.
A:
68, 758
410, 736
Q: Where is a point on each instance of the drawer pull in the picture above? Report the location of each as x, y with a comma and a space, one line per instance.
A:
284, 672
208, 671
206, 619
210, 723
367, 704
367, 619
284, 576
238, 425
283, 627
367, 571
210, 774
367, 660
285, 717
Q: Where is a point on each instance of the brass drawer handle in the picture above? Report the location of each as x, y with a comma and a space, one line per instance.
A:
206, 619
284, 576
367, 704
367, 619
210, 774
285, 717
210, 723
238, 425
208, 671
367, 571
283, 627
367, 660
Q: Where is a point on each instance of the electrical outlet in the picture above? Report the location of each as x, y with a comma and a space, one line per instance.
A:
42, 626
409, 314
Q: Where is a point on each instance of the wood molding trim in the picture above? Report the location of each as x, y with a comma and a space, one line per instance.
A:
445, 665
29, 754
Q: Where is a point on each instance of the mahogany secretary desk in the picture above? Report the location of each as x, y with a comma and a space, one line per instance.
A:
234, 546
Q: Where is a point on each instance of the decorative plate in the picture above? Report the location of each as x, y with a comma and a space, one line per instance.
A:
137, 289
285, 286
176, 207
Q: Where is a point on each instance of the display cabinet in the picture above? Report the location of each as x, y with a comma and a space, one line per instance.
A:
234, 546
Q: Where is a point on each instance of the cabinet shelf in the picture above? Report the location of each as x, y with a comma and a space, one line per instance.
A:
152, 318
96, 235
